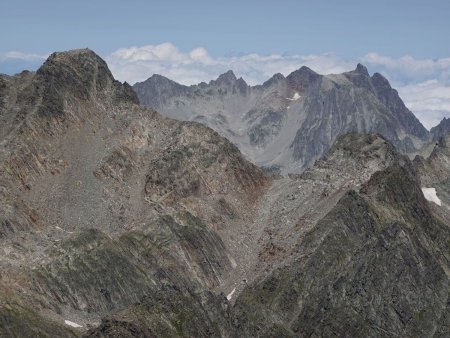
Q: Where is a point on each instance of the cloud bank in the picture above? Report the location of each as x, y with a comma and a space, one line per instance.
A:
14, 61
15, 55
136, 64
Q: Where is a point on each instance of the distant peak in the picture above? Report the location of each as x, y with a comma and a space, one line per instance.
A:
274, 79
304, 70
361, 69
379, 81
278, 76
442, 129
228, 73
159, 78
302, 78
241, 81
444, 121
227, 76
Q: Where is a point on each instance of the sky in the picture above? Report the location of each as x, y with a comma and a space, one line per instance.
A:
196, 40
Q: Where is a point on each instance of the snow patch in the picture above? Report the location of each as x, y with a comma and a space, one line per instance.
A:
295, 97
231, 294
430, 195
68, 322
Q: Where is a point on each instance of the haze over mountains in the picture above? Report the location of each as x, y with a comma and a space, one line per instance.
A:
287, 123
118, 222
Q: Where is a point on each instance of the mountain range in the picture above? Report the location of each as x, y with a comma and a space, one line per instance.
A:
116, 221
287, 123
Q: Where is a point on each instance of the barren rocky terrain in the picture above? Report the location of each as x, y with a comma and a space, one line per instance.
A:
118, 222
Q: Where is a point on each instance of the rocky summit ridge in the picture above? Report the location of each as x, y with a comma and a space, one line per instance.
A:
118, 222
289, 122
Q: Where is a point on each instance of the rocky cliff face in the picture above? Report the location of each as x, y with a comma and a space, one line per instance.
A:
288, 123
116, 221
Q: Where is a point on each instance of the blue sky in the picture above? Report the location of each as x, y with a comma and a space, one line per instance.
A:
194, 40
349, 28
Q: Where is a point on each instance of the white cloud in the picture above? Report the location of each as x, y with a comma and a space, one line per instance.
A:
429, 100
408, 69
22, 56
139, 63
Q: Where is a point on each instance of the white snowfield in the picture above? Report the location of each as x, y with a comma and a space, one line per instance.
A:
231, 294
68, 322
430, 195
295, 98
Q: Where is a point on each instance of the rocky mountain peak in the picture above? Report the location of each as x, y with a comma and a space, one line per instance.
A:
391, 99
361, 69
302, 78
442, 129
160, 81
302, 72
274, 79
83, 63
380, 82
78, 74
158, 78
227, 78
360, 77
161, 85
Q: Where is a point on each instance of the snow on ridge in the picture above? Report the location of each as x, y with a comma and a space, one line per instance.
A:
70, 323
430, 195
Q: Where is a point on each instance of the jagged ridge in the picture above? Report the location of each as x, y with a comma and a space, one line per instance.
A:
288, 123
